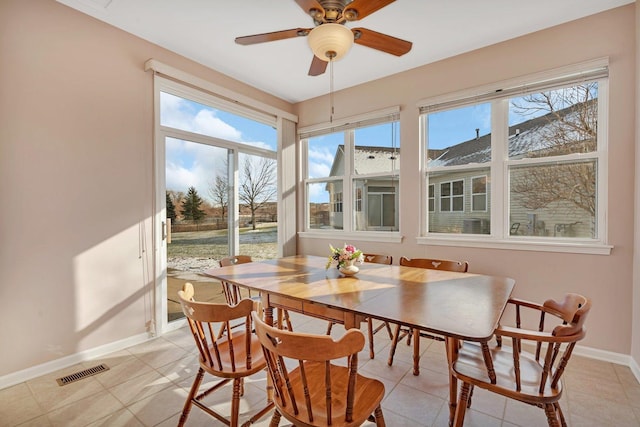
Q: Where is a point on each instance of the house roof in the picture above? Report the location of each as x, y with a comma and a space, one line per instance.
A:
370, 159
524, 138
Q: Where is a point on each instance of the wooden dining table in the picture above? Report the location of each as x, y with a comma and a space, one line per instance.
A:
458, 306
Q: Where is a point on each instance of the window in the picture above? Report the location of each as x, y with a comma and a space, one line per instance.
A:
479, 193
381, 207
432, 198
452, 164
355, 172
452, 196
358, 204
530, 158
336, 203
325, 174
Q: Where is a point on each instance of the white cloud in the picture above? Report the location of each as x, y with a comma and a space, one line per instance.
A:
179, 178
320, 162
206, 123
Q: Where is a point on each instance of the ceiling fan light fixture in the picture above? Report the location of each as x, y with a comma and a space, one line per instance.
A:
330, 41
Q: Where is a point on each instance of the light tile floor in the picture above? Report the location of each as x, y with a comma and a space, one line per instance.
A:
147, 386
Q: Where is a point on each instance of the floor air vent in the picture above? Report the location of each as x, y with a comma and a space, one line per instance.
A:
82, 374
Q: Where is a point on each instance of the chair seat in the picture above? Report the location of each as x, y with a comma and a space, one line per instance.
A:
368, 393
470, 367
258, 361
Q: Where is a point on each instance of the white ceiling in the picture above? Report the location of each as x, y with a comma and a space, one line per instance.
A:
204, 31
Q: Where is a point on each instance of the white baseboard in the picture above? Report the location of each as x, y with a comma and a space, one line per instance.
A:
606, 356
54, 365
609, 356
635, 368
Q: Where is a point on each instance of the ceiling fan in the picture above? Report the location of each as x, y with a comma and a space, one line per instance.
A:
330, 39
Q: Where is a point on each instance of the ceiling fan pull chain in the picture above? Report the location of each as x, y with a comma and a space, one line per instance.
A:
331, 89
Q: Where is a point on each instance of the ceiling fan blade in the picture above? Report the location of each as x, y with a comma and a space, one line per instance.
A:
318, 66
270, 37
379, 41
358, 9
309, 5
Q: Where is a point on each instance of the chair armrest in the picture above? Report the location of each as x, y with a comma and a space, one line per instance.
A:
534, 306
527, 334
525, 303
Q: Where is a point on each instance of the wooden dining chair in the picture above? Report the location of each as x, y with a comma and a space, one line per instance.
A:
231, 357
414, 334
233, 294
310, 390
376, 259
530, 370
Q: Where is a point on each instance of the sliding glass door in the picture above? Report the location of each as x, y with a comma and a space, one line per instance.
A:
196, 219
216, 190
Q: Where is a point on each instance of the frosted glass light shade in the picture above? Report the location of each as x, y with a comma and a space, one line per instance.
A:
327, 38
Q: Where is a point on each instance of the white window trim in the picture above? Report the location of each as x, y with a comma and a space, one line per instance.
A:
500, 239
363, 236
347, 125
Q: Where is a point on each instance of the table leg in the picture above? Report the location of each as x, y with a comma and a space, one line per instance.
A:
416, 351
452, 346
352, 320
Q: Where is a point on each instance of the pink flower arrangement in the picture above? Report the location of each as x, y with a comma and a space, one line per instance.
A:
343, 255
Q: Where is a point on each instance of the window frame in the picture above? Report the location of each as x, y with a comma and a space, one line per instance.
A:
472, 193
349, 126
431, 198
452, 196
596, 70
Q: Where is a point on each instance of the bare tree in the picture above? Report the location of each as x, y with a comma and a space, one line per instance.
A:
219, 192
570, 126
258, 184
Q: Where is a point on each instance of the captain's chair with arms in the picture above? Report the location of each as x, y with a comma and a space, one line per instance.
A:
530, 370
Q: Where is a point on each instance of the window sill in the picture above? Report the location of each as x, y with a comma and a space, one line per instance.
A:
363, 236
520, 245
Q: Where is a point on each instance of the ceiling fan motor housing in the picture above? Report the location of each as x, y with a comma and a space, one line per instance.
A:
330, 41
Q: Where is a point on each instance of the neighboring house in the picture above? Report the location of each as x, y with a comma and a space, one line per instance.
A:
459, 200
375, 189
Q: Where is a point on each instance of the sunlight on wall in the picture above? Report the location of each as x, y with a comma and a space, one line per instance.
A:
114, 277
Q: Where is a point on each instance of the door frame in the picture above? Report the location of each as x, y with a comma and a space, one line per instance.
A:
161, 323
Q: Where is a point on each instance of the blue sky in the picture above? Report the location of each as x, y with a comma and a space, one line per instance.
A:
451, 127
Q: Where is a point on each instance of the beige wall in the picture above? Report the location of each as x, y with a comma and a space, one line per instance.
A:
76, 181
606, 279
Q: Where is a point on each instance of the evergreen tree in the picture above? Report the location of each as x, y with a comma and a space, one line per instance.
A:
171, 208
191, 205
